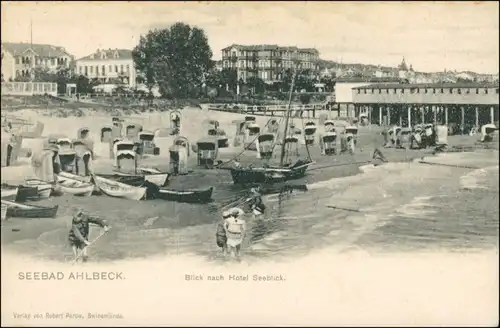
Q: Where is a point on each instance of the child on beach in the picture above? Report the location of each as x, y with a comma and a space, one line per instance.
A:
79, 232
220, 235
235, 228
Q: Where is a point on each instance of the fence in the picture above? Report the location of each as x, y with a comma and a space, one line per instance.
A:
272, 110
29, 88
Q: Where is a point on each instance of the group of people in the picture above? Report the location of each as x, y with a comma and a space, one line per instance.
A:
232, 228
420, 136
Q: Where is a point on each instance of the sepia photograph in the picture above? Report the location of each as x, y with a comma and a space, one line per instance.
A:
240, 163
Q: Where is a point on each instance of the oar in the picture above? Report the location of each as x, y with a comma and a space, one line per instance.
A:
342, 208
91, 243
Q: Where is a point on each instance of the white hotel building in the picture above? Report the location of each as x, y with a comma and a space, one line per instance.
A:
108, 66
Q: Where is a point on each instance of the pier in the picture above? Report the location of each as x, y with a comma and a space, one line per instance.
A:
268, 110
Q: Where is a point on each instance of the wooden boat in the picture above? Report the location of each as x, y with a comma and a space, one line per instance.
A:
23, 192
29, 211
62, 176
118, 189
44, 188
268, 173
131, 180
186, 196
77, 188
153, 175
4, 211
9, 193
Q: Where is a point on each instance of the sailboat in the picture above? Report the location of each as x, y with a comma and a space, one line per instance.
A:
268, 174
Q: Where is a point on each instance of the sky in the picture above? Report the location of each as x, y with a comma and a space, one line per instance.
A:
431, 36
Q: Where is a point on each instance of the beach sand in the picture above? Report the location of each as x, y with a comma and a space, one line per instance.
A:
26, 235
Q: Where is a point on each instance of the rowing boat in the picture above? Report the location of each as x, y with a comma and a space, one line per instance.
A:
118, 189
76, 188
131, 180
29, 211
185, 196
152, 175
44, 188
9, 193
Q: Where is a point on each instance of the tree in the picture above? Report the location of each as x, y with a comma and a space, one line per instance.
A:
175, 58
257, 84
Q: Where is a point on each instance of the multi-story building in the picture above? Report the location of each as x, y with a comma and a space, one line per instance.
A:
109, 66
21, 59
267, 61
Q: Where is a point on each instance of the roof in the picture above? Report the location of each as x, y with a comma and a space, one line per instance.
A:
427, 85
368, 79
275, 47
42, 50
110, 53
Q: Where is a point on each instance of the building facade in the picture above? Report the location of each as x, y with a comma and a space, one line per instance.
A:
267, 61
19, 60
109, 66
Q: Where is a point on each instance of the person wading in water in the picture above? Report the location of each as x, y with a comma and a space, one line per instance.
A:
256, 204
220, 235
235, 228
79, 233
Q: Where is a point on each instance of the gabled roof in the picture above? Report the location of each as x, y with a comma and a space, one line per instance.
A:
42, 50
274, 47
109, 54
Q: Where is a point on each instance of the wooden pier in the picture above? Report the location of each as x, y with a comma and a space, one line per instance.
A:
268, 110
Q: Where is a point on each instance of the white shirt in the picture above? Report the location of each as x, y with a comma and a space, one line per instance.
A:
235, 225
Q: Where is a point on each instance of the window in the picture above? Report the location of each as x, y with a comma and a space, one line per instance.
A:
116, 68
18, 61
379, 90
451, 90
91, 69
418, 90
496, 90
486, 91
52, 61
97, 70
359, 91
127, 68
80, 70
395, 90
459, 91
434, 90
425, 90
110, 68
442, 90
402, 90
477, 91
121, 69
86, 70
103, 70
468, 91
373, 90
364, 91
387, 91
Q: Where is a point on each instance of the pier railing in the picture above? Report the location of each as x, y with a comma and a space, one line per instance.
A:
267, 110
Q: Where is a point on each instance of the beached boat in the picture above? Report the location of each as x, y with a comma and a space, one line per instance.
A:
9, 193
4, 211
76, 188
152, 175
118, 189
63, 176
131, 180
44, 188
267, 173
186, 196
29, 211
23, 192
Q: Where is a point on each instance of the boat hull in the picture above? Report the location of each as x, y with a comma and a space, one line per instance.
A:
120, 190
29, 211
76, 188
9, 194
186, 196
267, 175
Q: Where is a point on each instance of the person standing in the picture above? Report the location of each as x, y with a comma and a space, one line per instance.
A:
235, 228
220, 235
79, 232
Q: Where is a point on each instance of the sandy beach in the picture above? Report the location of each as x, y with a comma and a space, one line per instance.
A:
47, 237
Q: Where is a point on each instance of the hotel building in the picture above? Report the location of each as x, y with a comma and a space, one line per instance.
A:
267, 61
20, 59
109, 66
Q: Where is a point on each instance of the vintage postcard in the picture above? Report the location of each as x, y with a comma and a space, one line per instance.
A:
249, 163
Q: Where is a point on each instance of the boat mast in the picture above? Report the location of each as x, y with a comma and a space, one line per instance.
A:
283, 143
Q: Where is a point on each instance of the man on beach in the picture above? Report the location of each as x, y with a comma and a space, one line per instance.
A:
256, 204
235, 228
79, 233
220, 235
